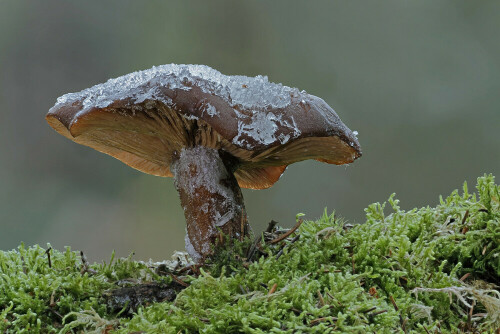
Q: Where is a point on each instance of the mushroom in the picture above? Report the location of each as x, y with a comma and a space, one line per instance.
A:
213, 133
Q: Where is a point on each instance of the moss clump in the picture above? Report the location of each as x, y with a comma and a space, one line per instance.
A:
425, 270
37, 293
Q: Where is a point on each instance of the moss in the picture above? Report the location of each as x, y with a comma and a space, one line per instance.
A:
422, 270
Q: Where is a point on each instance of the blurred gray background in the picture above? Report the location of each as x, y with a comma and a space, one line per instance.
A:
419, 80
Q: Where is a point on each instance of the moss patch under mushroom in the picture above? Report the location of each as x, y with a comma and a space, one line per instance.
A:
437, 266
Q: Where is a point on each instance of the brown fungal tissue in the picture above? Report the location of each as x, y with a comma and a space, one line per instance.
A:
213, 133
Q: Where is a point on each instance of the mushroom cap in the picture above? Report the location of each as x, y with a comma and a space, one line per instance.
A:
145, 118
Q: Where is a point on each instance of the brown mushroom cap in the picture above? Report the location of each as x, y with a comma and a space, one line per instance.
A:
145, 118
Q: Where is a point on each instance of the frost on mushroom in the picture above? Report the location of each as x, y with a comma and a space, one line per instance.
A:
213, 133
238, 90
210, 197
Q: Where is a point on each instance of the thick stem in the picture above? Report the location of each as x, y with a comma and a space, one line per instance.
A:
211, 199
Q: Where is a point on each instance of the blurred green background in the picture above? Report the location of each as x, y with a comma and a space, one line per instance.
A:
419, 80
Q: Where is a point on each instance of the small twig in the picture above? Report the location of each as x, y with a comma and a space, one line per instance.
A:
297, 311
318, 320
465, 229
85, 265
426, 330
55, 312
273, 289
52, 302
466, 215
271, 225
48, 256
464, 277
333, 298
321, 299
369, 310
285, 235
256, 242
401, 320
280, 252
377, 313
253, 247
193, 267
243, 224
85, 262
178, 280
394, 303
297, 237
196, 269
469, 316
480, 315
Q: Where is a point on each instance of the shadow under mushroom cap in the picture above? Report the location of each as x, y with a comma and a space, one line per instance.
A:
144, 118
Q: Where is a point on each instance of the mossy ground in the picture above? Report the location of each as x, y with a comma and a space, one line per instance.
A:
440, 266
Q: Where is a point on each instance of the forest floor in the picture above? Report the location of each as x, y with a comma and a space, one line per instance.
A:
427, 270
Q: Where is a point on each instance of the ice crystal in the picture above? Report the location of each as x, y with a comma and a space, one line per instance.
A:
238, 90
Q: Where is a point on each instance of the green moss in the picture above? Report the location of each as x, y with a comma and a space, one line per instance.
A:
35, 296
334, 278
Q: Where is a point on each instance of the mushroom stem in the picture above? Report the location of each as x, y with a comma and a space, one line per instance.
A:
211, 198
